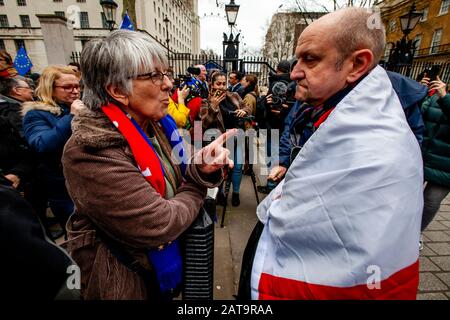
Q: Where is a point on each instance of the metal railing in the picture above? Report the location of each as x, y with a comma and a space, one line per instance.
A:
415, 70
259, 66
445, 48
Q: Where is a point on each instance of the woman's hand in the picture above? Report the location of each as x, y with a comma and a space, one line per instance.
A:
14, 179
439, 86
214, 156
425, 81
182, 94
241, 113
216, 100
76, 106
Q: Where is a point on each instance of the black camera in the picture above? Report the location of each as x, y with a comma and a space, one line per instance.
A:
279, 94
194, 71
433, 72
197, 88
283, 93
241, 121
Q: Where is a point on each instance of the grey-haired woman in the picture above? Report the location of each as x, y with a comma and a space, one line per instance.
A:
126, 185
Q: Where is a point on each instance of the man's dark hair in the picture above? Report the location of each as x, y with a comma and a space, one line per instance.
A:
216, 75
284, 66
75, 64
238, 74
7, 84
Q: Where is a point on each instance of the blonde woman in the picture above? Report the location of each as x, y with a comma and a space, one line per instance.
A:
47, 127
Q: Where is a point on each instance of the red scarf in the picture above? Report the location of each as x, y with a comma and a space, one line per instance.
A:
144, 154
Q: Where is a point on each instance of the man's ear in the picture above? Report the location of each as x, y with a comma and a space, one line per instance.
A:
117, 94
362, 61
16, 91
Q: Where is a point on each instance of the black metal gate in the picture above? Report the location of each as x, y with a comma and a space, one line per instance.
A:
179, 62
260, 67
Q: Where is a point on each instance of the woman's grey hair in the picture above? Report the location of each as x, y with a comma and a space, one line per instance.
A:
356, 29
116, 60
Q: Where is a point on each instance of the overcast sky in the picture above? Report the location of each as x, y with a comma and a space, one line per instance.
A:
252, 20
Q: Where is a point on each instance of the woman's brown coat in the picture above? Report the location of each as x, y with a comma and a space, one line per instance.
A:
111, 194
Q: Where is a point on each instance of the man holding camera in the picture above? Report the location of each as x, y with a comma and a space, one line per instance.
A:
278, 104
201, 76
345, 221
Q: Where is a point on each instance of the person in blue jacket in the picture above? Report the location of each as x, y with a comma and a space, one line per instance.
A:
47, 127
409, 92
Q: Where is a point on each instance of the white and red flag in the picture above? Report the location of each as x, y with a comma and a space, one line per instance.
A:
345, 222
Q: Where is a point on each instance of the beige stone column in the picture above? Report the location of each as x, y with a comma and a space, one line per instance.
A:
58, 38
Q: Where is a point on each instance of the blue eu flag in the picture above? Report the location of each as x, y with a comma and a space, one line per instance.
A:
126, 23
22, 63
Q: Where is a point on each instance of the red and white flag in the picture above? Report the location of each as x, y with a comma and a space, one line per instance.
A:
345, 223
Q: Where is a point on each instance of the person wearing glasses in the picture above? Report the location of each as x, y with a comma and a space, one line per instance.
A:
126, 170
47, 127
15, 163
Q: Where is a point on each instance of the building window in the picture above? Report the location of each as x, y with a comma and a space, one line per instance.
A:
19, 43
156, 25
83, 43
444, 6
2, 45
392, 26
60, 14
105, 23
25, 20
4, 21
417, 42
21, 3
57, 0
436, 41
2, 3
84, 20
424, 14
81, 1
160, 28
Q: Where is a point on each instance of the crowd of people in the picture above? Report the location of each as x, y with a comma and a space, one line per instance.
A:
361, 167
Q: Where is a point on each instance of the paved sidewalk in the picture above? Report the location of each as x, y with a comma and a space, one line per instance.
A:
230, 243
435, 257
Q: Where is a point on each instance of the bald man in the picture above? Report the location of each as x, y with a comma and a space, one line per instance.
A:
345, 222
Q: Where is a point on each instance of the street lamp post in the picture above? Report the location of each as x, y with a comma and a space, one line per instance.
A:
166, 21
109, 10
231, 43
402, 53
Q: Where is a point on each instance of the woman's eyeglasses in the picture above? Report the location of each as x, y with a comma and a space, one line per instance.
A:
69, 88
157, 77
